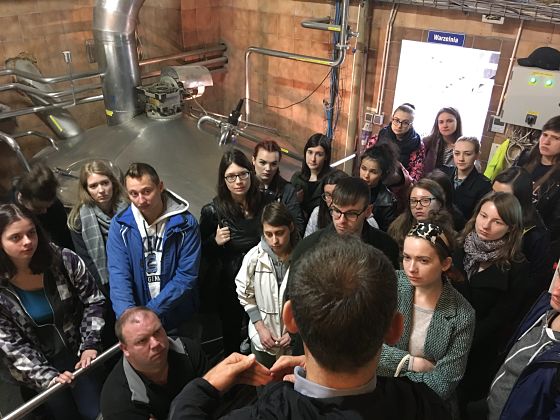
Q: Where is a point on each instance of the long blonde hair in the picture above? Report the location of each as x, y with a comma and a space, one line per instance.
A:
84, 198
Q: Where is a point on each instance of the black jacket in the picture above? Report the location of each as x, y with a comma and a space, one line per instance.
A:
281, 190
472, 189
220, 264
128, 395
384, 206
310, 199
370, 235
500, 299
393, 399
548, 205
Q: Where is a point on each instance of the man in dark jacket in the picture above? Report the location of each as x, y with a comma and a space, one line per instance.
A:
527, 385
343, 299
350, 208
153, 370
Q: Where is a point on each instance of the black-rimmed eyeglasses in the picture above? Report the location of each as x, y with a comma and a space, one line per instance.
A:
242, 176
424, 201
351, 215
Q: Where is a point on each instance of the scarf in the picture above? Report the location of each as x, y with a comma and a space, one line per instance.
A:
408, 144
478, 251
95, 229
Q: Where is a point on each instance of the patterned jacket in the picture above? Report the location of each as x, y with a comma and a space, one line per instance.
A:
448, 339
77, 306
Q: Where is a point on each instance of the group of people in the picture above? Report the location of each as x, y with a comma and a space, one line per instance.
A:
417, 267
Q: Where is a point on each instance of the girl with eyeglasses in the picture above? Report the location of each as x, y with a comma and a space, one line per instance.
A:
376, 164
261, 284
469, 184
426, 203
316, 166
229, 228
439, 144
438, 321
320, 216
497, 284
543, 164
401, 132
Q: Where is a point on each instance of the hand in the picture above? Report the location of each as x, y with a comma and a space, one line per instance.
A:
420, 364
222, 235
284, 341
64, 378
267, 340
86, 358
283, 369
237, 369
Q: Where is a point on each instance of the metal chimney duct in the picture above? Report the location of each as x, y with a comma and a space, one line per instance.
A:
114, 23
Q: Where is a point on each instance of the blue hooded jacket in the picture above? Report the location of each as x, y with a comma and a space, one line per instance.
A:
177, 300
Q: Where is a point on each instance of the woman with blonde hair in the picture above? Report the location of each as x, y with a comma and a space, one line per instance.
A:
100, 197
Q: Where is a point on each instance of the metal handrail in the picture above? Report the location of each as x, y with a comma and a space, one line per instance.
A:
43, 396
51, 140
10, 141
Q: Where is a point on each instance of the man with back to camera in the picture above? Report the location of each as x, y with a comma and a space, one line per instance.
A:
527, 385
153, 370
349, 210
343, 299
153, 252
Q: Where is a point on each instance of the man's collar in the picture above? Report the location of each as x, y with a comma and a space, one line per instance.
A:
311, 389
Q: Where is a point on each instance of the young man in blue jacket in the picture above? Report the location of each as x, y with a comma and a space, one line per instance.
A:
527, 385
153, 251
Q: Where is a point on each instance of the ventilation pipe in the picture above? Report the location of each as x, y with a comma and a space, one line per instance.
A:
114, 23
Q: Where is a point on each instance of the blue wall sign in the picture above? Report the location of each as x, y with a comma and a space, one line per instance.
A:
448, 38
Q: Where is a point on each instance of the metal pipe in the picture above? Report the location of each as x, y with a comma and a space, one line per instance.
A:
10, 141
39, 92
341, 49
48, 80
38, 134
384, 63
358, 71
510, 67
114, 23
35, 109
30, 405
185, 54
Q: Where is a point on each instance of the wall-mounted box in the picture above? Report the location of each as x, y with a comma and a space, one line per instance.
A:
532, 97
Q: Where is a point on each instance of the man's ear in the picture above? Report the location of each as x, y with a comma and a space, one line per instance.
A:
123, 349
369, 210
253, 160
395, 330
288, 318
160, 186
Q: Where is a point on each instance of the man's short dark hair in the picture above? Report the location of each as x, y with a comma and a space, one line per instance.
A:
350, 191
138, 170
344, 297
127, 317
39, 184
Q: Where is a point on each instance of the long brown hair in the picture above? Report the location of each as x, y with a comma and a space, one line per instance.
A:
402, 224
535, 155
98, 167
510, 212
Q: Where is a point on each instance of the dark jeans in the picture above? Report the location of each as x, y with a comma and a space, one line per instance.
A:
231, 314
81, 399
